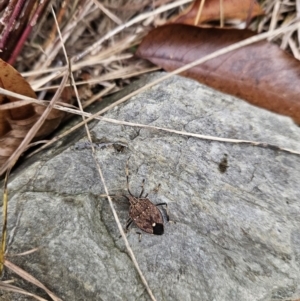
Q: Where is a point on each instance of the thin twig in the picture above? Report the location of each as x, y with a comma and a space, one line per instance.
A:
84, 63
41, 6
221, 14
8, 27
98, 96
14, 289
131, 254
4, 221
107, 12
217, 53
183, 133
118, 29
54, 48
61, 14
199, 12
30, 279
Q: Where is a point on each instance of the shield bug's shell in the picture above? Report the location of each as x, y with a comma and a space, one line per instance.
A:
146, 215
143, 212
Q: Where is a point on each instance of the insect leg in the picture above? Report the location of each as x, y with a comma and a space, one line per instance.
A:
140, 236
155, 190
128, 223
126, 197
167, 211
127, 177
105, 195
141, 194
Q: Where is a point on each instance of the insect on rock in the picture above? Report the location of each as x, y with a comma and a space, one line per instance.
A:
143, 212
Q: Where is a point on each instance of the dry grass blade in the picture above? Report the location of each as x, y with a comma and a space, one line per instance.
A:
4, 222
298, 16
131, 254
91, 117
204, 137
107, 12
221, 14
129, 250
135, 20
47, 79
177, 71
25, 101
98, 96
274, 18
61, 13
202, 60
199, 12
12, 105
14, 289
30, 279
126, 72
110, 73
52, 51
188, 134
56, 72
23, 253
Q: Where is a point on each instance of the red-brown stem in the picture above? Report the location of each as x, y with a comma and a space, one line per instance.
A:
3, 4
6, 15
59, 18
23, 20
42, 5
8, 28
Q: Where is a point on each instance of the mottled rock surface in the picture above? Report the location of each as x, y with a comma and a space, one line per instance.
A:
236, 206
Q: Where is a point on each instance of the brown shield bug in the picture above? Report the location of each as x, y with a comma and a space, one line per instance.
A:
143, 212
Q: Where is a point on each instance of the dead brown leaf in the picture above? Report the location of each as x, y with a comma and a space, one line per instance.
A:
231, 9
16, 122
260, 73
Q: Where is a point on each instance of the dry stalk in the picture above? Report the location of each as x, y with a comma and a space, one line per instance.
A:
107, 12
118, 29
97, 60
60, 15
23, 253
129, 250
177, 71
182, 133
11, 288
98, 96
199, 12
104, 56
91, 61
123, 73
39, 10
30, 279
53, 49
4, 222
221, 14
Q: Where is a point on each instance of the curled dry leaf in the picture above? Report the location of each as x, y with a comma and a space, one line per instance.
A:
260, 73
232, 9
15, 123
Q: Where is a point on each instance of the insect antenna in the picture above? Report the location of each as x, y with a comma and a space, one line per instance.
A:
127, 178
141, 194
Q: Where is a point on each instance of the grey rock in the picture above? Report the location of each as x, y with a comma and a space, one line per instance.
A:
237, 230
